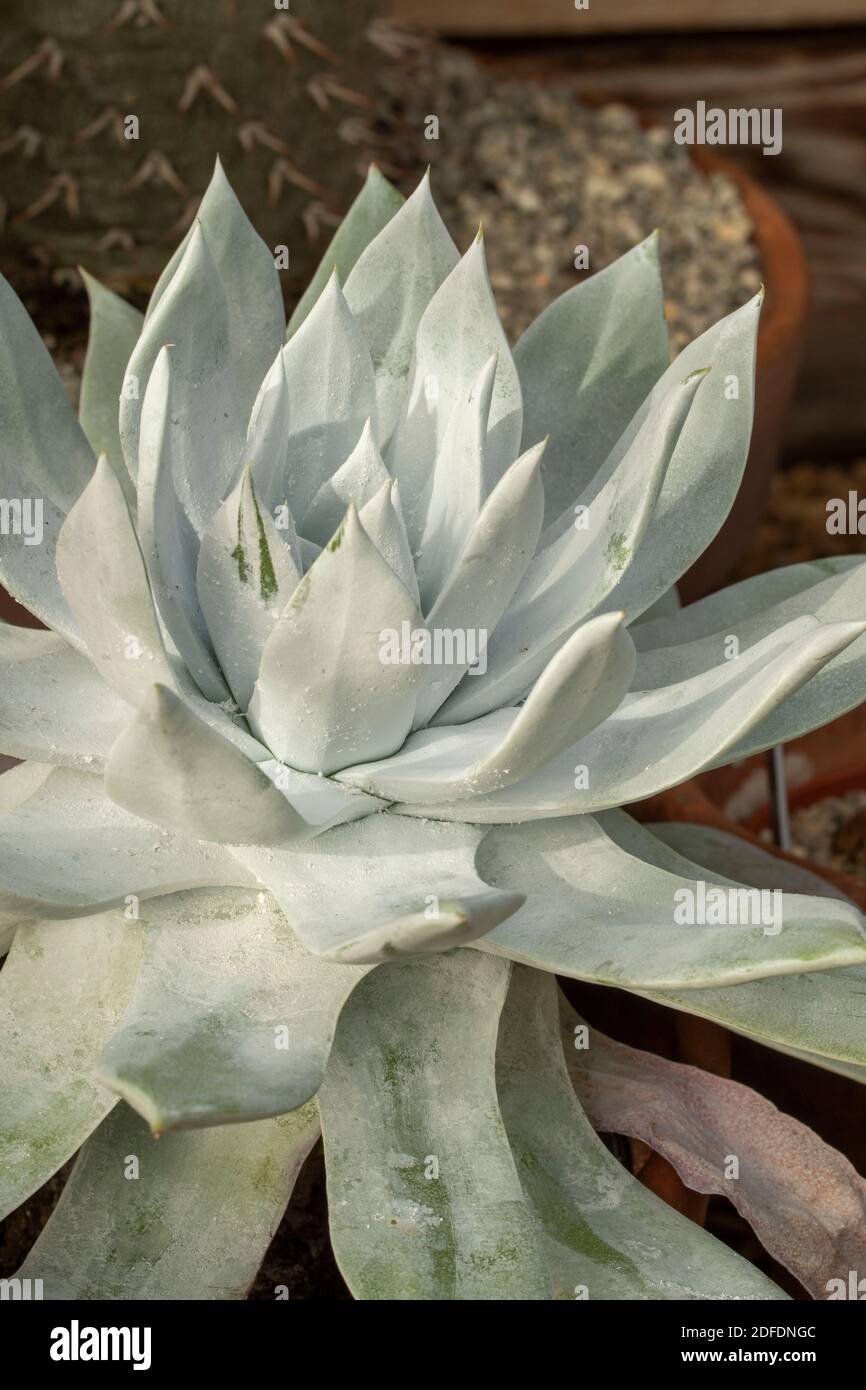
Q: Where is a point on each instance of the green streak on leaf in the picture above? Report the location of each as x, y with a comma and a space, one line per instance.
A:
267, 576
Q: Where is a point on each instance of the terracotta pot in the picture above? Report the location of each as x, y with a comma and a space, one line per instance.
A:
780, 347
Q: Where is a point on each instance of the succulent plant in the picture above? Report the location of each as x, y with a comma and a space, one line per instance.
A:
347, 679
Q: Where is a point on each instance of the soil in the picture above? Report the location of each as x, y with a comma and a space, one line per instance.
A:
546, 174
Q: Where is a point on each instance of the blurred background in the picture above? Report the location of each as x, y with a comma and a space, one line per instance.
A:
552, 121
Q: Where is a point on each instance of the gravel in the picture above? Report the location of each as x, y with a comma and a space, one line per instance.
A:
546, 174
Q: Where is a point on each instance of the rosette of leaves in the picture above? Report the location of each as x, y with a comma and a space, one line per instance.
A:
258, 880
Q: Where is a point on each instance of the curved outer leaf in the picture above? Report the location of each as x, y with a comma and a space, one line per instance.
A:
325, 697
704, 474
102, 574
115, 327
194, 1224
171, 768
168, 541
458, 332
65, 849
371, 211
597, 912
730, 857
582, 685
372, 891
244, 579
571, 578
62, 991
834, 590
805, 1202
231, 1018
221, 303
390, 286
604, 1235
55, 707
657, 738
45, 462
815, 1016
586, 365
410, 1089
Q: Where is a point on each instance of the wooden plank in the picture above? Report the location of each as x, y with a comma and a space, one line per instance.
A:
504, 18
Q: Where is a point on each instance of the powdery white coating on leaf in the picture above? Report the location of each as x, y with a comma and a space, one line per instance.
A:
596, 911
412, 1071
381, 888
231, 1018
196, 1223
62, 992
55, 706
66, 848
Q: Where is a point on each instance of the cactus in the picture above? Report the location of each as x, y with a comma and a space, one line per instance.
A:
112, 109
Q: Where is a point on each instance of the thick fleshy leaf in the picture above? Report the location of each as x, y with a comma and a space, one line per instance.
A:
582, 685
358, 480
390, 286
382, 519
325, 695
458, 486
219, 301
171, 768
732, 858
231, 1018
194, 1223
707, 465
604, 1235
595, 911
586, 365
805, 1202
115, 327
328, 406
816, 1016
490, 566
103, 577
63, 989
168, 540
459, 331
665, 607
425, 1202
833, 590
572, 576
55, 707
245, 577
370, 213
657, 738
66, 849
373, 891
45, 462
